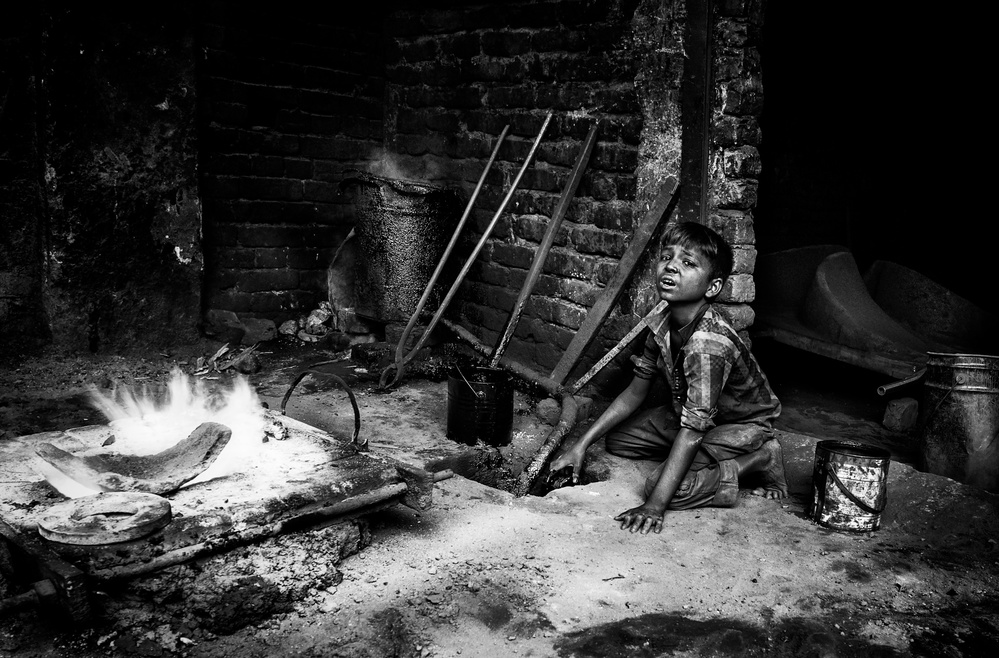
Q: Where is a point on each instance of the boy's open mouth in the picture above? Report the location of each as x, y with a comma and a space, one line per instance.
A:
667, 282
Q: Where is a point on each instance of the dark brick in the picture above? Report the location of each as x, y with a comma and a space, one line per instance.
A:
563, 262
593, 240
512, 255
268, 280
264, 236
616, 215
440, 74
496, 297
736, 226
506, 43
736, 131
739, 193
742, 97
270, 258
742, 162
576, 291
419, 50
534, 228
501, 228
486, 316
236, 258
310, 257
319, 191
279, 189
557, 311
615, 157
602, 187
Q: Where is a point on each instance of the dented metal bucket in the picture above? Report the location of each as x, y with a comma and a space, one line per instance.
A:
959, 419
849, 485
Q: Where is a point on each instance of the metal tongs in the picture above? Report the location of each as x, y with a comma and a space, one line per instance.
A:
401, 358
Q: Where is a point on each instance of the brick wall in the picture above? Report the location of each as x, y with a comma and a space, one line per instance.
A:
422, 92
460, 74
290, 101
735, 164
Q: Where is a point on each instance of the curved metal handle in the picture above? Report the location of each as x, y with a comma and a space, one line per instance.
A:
849, 494
362, 445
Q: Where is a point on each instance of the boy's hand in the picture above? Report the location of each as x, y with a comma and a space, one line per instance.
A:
571, 458
641, 519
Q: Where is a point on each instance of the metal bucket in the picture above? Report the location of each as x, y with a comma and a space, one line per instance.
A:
402, 229
849, 485
480, 406
959, 418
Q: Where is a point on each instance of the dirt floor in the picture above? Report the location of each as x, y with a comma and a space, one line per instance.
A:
484, 573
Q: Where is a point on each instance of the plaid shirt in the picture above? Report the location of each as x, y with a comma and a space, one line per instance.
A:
716, 381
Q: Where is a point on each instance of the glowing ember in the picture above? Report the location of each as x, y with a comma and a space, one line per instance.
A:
145, 423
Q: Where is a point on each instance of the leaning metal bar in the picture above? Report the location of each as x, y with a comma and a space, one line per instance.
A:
623, 343
447, 252
360, 445
546, 244
400, 365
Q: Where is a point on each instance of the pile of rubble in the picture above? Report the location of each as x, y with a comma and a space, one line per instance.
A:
339, 328
335, 329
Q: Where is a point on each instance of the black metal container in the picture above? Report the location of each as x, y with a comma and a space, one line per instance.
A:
480, 406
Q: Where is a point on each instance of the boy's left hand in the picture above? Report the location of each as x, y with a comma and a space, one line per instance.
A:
641, 519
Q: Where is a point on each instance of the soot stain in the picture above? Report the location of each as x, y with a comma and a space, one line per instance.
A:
657, 635
853, 571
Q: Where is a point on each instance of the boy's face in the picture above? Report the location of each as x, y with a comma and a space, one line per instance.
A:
684, 276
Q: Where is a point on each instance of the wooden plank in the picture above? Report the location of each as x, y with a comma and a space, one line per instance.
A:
629, 261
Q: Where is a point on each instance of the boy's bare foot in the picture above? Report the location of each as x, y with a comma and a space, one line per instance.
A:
774, 481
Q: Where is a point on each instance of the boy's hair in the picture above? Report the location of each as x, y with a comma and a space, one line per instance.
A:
694, 236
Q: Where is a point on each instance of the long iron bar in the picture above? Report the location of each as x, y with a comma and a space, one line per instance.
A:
400, 348
598, 312
400, 366
624, 342
546, 244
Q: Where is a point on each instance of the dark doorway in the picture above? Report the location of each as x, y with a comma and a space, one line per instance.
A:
869, 137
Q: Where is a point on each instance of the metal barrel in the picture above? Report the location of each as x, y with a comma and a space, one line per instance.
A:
402, 230
849, 485
958, 423
480, 406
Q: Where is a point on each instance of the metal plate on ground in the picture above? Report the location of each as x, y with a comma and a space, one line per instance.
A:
105, 518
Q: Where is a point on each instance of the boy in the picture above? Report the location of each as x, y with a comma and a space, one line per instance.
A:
719, 425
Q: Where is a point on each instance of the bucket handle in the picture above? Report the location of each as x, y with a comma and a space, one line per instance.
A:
478, 394
849, 494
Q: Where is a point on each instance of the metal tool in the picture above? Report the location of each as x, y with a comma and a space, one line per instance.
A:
598, 312
546, 244
623, 343
312, 370
400, 348
400, 364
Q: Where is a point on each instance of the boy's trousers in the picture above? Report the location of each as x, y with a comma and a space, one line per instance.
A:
713, 478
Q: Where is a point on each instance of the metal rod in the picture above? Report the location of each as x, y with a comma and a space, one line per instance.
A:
902, 382
400, 365
629, 261
624, 342
447, 251
360, 445
546, 244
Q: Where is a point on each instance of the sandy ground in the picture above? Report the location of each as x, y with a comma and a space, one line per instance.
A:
483, 573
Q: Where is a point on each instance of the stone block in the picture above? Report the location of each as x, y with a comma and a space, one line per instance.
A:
223, 325
901, 414
258, 330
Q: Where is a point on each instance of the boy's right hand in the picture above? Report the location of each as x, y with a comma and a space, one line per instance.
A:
571, 458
